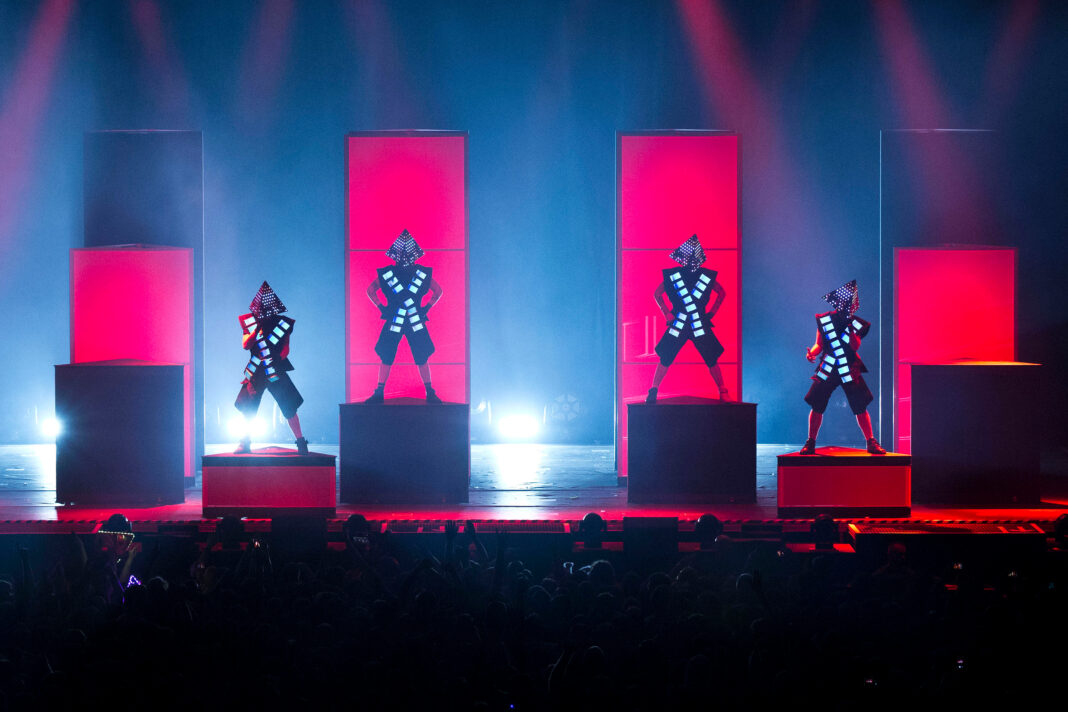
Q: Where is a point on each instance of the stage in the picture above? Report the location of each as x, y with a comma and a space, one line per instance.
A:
545, 486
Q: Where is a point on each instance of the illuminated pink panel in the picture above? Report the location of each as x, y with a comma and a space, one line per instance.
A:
407, 182
135, 303
642, 322
670, 186
951, 304
447, 325
678, 184
413, 181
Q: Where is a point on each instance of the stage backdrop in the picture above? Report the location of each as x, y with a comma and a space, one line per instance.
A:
136, 302
950, 304
937, 187
414, 181
147, 187
671, 185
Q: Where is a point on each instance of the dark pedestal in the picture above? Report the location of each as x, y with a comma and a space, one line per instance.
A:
405, 451
844, 482
269, 482
691, 450
975, 434
123, 434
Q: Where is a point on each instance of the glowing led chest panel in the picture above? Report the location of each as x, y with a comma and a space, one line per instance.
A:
689, 315
408, 311
262, 345
838, 359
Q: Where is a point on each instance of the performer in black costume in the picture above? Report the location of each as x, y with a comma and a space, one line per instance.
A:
266, 336
404, 285
838, 335
687, 287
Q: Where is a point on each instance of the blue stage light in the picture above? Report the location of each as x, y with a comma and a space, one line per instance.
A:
518, 427
51, 428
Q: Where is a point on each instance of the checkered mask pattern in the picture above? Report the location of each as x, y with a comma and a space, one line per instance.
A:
845, 299
266, 303
404, 250
690, 254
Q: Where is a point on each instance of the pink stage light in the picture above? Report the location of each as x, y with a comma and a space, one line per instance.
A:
264, 62
670, 187
23, 104
413, 181
1006, 62
135, 303
165, 76
951, 304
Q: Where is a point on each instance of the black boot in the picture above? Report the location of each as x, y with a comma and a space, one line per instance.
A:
244, 447
651, 398
379, 395
875, 448
809, 448
302, 446
431, 396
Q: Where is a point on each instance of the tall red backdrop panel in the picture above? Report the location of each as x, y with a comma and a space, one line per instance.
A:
135, 303
950, 304
414, 181
671, 185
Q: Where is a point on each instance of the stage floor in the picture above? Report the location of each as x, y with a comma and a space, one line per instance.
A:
508, 482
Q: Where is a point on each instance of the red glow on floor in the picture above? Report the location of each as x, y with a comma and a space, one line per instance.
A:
413, 181
670, 187
951, 304
135, 303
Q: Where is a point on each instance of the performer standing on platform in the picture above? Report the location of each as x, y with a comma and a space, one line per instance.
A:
687, 287
838, 335
404, 286
266, 336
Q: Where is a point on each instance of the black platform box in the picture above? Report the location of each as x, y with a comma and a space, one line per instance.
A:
691, 449
405, 451
123, 434
976, 434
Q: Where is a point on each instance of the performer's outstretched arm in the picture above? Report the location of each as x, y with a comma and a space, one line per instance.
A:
721, 294
814, 350
658, 294
435, 293
372, 294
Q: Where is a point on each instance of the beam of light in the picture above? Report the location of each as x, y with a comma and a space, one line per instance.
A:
733, 92
23, 105
51, 428
1006, 62
519, 426
939, 167
240, 427
264, 61
382, 73
164, 74
913, 78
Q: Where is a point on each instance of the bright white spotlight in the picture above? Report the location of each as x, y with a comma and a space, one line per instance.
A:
518, 427
257, 427
51, 428
237, 426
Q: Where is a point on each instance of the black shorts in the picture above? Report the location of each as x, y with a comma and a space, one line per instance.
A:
418, 341
857, 393
707, 345
283, 391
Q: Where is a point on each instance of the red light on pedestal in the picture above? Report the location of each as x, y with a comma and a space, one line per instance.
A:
671, 185
136, 303
413, 181
951, 304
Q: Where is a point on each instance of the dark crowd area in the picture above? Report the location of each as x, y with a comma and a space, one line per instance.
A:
496, 621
